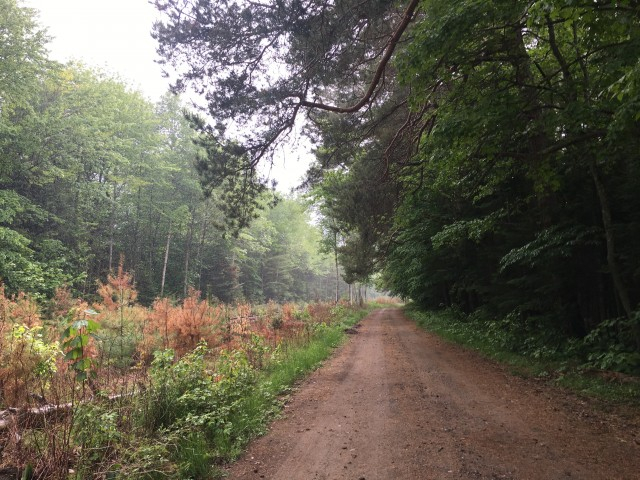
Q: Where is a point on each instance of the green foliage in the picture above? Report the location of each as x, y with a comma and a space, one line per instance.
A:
28, 361
228, 168
46, 353
90, 170
463, 230
75, 340
96, 431
611, 345
207, 407
556, 242
244, 43
355, 204
147, 460
194, 455
521, 199
24, 266
23, 55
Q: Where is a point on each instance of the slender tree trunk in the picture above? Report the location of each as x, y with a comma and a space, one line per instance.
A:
150, 240
187, 255
166, 260
203, 234
335, 256
111, 251
612, 263
328, 290
135, 257
111, 228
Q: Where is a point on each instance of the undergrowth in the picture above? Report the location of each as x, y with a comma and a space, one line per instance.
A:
113, 390
199, 416
562, 362
194, 412
296, 362
214, 415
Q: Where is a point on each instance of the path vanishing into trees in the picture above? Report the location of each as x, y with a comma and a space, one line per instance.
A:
398, 403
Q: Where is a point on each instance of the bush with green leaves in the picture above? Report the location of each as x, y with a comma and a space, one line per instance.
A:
28, 362
202, 407
97, 435
611, 345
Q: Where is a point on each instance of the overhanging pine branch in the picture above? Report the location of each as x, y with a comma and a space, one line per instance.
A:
389, 49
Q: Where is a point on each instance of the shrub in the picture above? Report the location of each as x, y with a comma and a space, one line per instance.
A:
180, 327
612, 345
27, 363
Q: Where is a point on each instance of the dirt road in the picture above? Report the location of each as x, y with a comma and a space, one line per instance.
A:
397, 403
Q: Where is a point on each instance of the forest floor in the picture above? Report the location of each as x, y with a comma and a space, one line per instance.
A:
398, 403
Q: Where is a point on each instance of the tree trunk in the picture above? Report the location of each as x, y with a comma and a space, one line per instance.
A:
112, 228
187, 255
135, 256
200, 248
335, 256
111, 251
607, 223
166, 260
151, 240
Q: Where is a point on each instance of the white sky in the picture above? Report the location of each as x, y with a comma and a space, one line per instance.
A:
111, 34
114, 35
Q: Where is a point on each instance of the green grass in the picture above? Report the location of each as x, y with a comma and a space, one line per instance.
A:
197, 415
557, 364
299, 361
601, 389
293, 364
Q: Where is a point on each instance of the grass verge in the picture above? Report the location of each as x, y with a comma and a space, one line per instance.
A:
297, 362
559, 366
264, 403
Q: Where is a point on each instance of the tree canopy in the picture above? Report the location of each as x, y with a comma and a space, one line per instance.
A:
93, 176
477, 154
261, 65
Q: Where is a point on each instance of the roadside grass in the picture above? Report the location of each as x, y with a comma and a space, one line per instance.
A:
557, 364
298, 361
293, 363
200, 412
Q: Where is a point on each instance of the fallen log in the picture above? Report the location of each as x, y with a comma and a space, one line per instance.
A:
6, 416
34, 417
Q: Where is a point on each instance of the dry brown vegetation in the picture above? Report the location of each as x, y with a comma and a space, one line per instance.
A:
70, 353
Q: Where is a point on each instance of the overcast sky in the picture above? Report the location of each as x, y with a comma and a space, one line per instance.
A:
114, 35
110, 34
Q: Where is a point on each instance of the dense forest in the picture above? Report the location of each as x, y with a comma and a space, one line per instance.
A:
92, 172
481, 156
